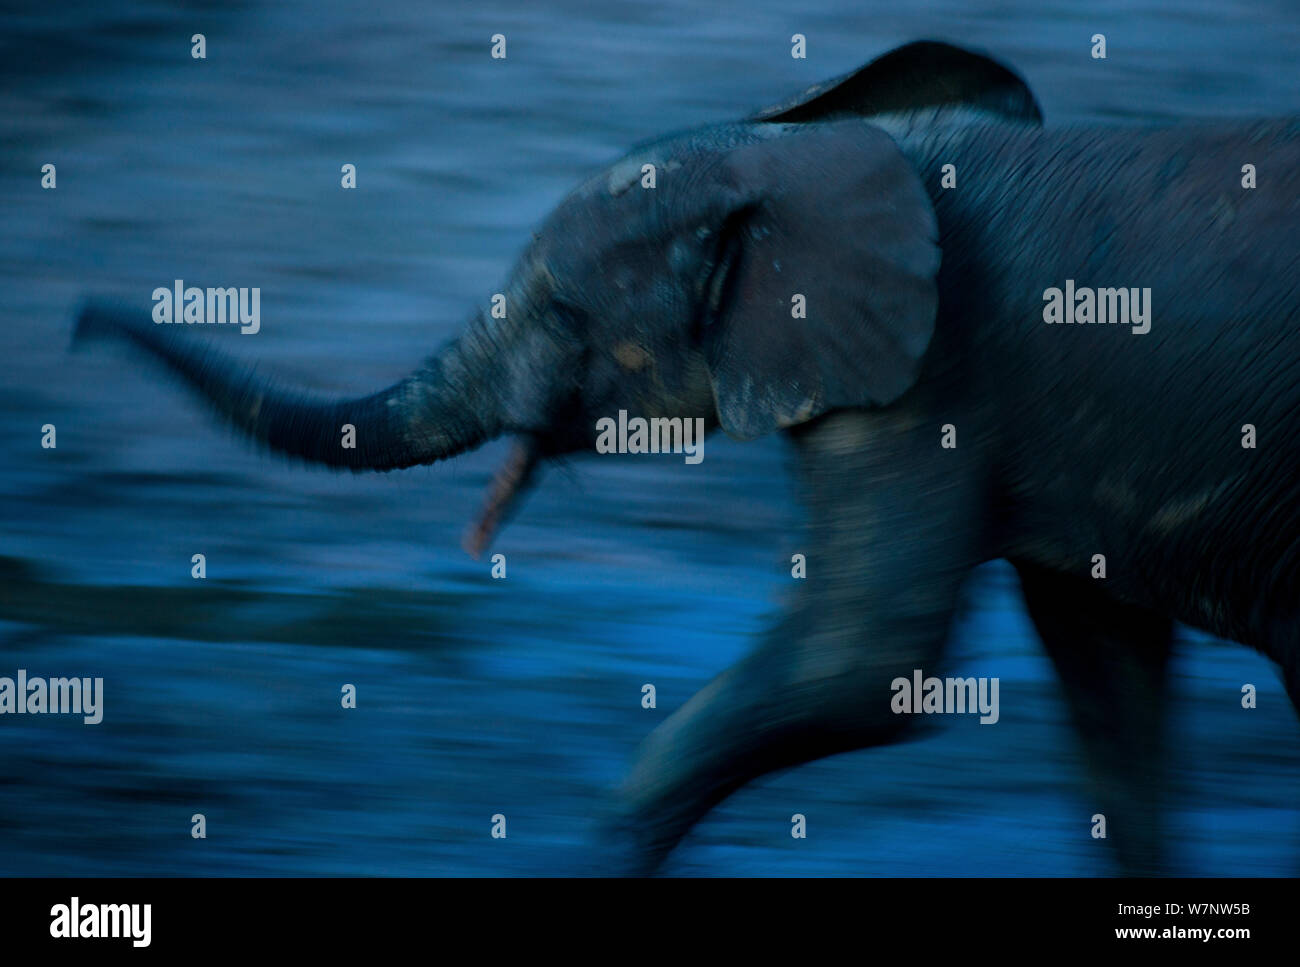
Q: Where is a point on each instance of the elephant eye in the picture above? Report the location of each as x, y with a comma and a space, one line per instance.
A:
563, 304
572, 316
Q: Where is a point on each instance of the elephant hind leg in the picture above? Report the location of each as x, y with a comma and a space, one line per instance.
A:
1112, 658
1282, 644
893, 531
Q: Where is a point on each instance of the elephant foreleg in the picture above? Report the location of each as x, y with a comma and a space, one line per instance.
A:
893, 531
1112, 658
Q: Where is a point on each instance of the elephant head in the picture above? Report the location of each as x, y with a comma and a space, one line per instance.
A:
664, 286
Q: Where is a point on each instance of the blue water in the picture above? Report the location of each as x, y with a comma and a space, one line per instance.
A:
477, 696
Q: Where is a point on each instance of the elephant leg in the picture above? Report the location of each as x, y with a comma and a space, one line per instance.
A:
1283, 646
1112, 658
893, 529
1291, 679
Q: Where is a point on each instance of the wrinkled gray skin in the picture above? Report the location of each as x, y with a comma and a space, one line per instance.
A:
924, 308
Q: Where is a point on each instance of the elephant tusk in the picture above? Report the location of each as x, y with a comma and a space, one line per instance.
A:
510, 481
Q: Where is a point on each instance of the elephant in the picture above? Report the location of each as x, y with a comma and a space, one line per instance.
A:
939, 412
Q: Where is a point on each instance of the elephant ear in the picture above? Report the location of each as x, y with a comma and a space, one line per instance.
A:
831, 219
926, 75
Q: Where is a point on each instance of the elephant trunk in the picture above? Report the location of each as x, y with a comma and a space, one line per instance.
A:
447, 407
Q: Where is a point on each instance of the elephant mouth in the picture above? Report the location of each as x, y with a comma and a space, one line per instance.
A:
512, 480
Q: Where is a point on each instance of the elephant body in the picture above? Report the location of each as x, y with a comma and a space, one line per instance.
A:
937, 420
1056, 429
1071, 415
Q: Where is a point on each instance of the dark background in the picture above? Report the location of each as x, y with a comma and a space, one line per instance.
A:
477, 696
